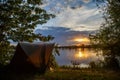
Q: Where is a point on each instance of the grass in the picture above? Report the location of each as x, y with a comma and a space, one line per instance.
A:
68, 74
84, 74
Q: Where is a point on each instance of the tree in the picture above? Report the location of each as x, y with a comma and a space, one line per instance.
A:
45, 38
107, 38
18, 18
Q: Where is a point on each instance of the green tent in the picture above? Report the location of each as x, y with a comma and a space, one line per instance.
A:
31, 57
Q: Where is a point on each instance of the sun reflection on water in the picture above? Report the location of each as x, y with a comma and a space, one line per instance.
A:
81, 54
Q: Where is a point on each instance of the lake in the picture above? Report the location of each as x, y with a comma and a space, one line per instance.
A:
82, 56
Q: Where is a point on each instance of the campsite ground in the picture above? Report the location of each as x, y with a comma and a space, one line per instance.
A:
83, 74
65, 74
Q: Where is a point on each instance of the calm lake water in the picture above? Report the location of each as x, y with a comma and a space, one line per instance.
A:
83, 56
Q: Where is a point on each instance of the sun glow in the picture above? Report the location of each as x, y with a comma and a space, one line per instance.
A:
81, 39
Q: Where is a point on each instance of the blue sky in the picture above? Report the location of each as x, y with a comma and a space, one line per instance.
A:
74, 18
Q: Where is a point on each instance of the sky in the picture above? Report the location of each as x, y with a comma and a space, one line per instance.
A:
74, 19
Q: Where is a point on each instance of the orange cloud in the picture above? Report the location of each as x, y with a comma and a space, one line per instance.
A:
81, 40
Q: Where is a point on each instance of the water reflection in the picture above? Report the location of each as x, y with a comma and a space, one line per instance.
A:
80, 55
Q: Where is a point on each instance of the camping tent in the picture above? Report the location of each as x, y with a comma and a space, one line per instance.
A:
31, 57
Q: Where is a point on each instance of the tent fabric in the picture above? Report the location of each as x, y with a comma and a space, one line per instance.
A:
31, 56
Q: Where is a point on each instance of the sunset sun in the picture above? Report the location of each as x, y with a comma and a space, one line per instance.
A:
81, 39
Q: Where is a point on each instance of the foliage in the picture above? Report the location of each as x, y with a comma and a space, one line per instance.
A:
75, 63
96, 64
92, 64
45, 38
18, 18
107, 38
6, 53
53, 63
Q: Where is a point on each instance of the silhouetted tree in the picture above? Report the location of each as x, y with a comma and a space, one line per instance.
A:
107, 38
45, 38
75, 63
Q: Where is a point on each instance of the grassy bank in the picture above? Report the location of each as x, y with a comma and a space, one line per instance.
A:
63, 74
83, 74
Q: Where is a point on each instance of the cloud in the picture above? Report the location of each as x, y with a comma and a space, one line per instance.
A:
86, 1
75, 18
75, 22
61, 4
63, 36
